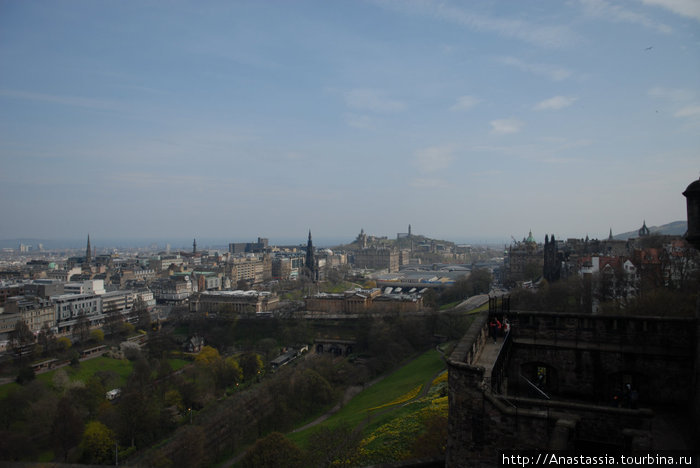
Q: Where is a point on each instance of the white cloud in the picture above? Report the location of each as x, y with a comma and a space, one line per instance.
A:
672, 94
465, 103
434, 159
603, 9
555, 103
689, 111
689, 8
372, 100
505, 126
540, 35
551, 72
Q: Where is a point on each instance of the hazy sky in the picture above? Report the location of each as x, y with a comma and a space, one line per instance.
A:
266, 118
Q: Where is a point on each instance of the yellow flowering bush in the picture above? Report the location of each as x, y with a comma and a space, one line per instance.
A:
402, 399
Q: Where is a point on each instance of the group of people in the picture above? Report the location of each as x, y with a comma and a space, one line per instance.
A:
498, 328
628, 399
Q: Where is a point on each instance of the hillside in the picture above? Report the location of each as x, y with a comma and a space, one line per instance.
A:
676, 228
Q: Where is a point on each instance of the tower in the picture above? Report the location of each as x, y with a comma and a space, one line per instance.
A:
194, 246
644, 230
88, 252
409, 230
310, 263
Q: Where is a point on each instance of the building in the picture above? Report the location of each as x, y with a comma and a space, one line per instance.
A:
361, 301
574, 382
94, 286
68, 307
174, 290
34, 311
373, 258
233, 302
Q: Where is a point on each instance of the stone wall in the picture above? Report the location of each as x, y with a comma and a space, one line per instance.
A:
588, 357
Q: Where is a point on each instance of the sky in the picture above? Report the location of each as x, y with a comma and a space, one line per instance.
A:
238, 119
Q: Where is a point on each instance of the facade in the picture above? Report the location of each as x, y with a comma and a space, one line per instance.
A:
361, 301
172, 290
34, 311
233, 302
68, 307
377, 259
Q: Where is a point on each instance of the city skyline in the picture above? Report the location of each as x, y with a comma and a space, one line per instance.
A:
469, 121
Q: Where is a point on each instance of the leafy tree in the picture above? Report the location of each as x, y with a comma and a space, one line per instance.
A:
26, 374
207, 356
64, 343
251, 364
273, 451
97, 443
66, 429
97, 335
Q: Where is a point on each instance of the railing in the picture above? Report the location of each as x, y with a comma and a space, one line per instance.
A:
499, 370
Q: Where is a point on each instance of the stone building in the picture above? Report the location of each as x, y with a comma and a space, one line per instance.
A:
359, 301
377, 259
233, 302
570, 382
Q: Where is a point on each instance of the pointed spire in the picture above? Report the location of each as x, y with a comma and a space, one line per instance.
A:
610, 236
194, 246
88, 251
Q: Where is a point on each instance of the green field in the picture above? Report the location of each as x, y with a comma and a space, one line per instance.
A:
122, 367
420, 371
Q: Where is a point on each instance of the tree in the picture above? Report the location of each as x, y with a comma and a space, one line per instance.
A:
114, 322
140, 311
207, 356
273, 451
98, 443
97, 335
47, 339
66, 429
21, 339
81, 329
251, 364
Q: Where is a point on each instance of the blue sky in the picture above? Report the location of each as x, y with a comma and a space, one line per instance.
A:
468, 120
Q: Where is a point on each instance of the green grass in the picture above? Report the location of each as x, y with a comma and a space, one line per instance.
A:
87, 368
402, 381
450, 305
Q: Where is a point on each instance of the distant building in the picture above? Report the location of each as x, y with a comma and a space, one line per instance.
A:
233, 302
377, 259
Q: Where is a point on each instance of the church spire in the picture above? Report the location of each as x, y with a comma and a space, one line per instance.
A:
310, 263
194, 246
610, 236
88, 252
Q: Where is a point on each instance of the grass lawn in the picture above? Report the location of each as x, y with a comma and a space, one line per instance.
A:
122, 367
417, 372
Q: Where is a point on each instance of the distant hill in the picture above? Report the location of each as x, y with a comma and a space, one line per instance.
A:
676, 228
